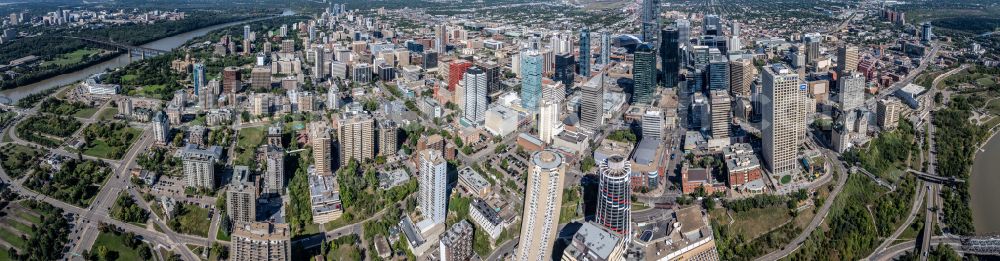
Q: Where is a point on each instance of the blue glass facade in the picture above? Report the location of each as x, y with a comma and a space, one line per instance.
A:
531, 84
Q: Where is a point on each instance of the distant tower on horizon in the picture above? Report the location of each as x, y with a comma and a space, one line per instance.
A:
650, 20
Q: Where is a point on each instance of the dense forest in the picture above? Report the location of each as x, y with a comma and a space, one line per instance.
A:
77, 182
957, 141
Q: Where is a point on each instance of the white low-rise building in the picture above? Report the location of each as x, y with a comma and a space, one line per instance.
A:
501, 120
487, 218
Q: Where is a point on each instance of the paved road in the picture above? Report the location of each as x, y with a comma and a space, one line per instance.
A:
503, 250
820, 216
898, 249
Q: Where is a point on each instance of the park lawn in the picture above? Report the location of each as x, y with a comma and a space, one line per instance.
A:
107, 113
986, 82
151, 91
785, 179
6, 136
71, 58
99, 148
639, 206
129, 77
4, 255
335, 224
345, 252
753, 223
994, 107
194, 220
24, 228
29, 217
223, 235
85, 113
115, 243
247, 142
7, 235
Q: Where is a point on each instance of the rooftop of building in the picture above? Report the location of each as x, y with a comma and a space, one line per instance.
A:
469, 176
487, 211
192, 151
263, 231
593, 240
739, 157
547, 159
324, 192
457, 232
646, 151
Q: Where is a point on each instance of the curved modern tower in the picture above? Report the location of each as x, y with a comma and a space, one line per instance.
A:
614, 208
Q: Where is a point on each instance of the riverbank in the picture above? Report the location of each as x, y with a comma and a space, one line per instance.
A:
982, 187
166, 43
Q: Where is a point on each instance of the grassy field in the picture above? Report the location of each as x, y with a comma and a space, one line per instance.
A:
72, 58
129, 77
222, 235
150, 91
8, 235
24, 228
99, 148
115, 243
193, 220
753, 223
107, 113
246, 144
85, 113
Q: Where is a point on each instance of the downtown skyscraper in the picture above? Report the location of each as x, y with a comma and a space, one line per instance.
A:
605, 48
670, 56
783, 123
584, 52
531, 79
644, 74
650, 20
473, 91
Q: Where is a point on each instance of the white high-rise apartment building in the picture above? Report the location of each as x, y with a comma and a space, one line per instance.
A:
433, 186
474, 96
548, 120
783, 118
852, 91
542, 203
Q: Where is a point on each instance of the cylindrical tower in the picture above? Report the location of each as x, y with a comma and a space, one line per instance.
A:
614, 208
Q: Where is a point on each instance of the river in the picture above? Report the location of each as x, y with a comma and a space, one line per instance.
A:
167, 43
983, 186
